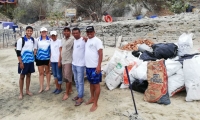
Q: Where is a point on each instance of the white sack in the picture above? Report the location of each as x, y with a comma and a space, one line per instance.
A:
140, 72
113, 61
117, 57
172, 67
185, 44
191, 70
176, 83
115, 77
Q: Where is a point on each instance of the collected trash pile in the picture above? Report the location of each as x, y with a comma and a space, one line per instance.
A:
157, 70
134, 45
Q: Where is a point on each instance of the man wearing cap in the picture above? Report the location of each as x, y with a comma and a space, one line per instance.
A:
56, 61
93, 59
43, 58
66, 57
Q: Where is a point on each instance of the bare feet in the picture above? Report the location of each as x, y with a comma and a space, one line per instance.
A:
93, 108
47, 88
29, 93
91, 100
20, 96
65, 97
41, 90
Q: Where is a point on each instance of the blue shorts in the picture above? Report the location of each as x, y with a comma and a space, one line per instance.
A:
92, 76
28, 68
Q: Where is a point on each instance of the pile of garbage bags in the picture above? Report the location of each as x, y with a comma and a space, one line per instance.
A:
159, 72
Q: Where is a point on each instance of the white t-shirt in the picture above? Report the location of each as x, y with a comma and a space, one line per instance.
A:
91, 52
55, 52
43, 49
27, 55
78, 57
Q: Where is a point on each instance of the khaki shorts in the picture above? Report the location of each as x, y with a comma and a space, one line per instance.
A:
67, 72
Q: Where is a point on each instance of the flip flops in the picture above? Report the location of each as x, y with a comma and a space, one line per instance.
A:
75, 98
78, 103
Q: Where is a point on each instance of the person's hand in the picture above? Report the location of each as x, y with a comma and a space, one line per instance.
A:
21, 65
98, 69
85, 38
59, 64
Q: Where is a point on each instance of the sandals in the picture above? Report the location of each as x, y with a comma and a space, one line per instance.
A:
75, 98
78, 103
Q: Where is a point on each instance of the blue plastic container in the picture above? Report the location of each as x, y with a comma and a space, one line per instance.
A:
139, 17
153, 16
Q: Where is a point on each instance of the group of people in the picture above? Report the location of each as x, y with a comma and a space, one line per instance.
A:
73, 55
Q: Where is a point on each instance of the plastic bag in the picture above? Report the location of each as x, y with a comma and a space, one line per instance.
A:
144, 47
140, 72
125, 77
185, 44
176, 83
117, 57
172, 67
191, 68
114, 78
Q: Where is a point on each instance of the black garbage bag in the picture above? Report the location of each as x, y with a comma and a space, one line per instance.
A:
136, 53
165, 50
139, 85
147, 56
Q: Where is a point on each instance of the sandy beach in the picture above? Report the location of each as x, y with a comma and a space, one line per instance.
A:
113, 105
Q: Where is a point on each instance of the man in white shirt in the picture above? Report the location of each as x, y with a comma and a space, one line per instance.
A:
78, 65
93, 59
56, 47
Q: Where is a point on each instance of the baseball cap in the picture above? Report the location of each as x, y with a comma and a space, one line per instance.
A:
43, 29
53, 33
89, 28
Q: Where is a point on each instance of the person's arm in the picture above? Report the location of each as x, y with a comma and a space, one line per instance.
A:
99, 46
100, 52
35, 47
19, 49
85, 38
50, 56
60, 57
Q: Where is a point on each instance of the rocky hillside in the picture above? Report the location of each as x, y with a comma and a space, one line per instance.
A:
161, 29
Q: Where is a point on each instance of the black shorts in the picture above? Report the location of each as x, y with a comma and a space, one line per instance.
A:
28, 68
42, 62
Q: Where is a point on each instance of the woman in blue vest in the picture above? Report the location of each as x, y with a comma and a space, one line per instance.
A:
43, 54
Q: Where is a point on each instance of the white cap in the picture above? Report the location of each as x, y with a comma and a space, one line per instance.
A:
53, 33
43, 29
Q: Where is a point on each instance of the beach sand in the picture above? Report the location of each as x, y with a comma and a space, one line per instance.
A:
113, 105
